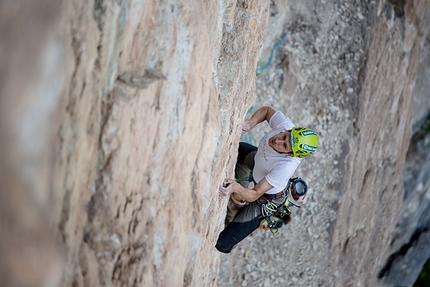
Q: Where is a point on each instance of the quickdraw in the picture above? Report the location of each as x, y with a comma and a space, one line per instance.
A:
269, 210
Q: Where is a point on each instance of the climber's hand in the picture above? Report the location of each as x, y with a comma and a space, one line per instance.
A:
246, 126
226, 188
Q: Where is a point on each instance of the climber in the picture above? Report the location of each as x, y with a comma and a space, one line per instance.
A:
271, 166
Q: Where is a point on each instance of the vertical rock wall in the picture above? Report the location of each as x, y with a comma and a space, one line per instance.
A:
373, 183
115, 153
348, 69
29, 87
119, 119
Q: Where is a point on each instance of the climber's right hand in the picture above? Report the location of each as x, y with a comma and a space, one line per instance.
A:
226, 188
246, 126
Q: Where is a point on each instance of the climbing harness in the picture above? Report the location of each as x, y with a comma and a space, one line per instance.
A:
272, 212
270, 209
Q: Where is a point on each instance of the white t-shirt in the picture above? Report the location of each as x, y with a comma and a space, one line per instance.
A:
276, 168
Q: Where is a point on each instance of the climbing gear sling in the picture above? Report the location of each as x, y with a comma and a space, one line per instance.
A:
270, 210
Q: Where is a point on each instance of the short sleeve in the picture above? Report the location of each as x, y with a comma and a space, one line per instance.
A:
279, 120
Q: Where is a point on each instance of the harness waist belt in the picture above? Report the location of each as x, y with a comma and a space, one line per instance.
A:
272, 196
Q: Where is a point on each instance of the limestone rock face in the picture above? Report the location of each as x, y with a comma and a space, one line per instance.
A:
118, 124
119, 119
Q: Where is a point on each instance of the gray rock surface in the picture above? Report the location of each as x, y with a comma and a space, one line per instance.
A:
120, 118
348, 69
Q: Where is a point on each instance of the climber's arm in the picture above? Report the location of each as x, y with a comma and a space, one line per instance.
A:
260, 115
242, 193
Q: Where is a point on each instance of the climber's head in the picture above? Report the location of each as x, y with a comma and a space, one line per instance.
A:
303, 141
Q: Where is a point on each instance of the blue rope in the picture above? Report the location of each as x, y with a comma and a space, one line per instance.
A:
260, 70
248, 138
245, 179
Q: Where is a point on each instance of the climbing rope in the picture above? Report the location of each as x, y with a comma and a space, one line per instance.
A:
260, 70
245, 179
248, 138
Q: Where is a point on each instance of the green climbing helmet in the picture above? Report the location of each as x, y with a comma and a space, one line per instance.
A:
304, 141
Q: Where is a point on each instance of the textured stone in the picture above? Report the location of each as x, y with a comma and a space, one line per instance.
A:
366, 133
124, 139
120, 118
